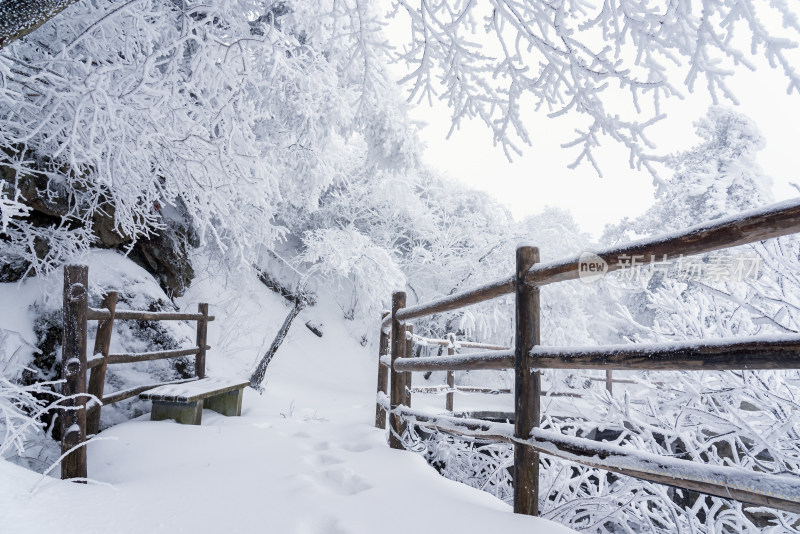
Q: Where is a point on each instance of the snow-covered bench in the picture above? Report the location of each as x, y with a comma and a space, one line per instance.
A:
185, 402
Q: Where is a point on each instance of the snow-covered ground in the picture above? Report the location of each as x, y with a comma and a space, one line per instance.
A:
303, 458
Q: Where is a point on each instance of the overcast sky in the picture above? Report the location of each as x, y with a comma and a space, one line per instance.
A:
540, 177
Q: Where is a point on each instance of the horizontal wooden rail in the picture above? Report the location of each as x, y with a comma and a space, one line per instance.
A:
94, 361
458, 362
618, 380
755, 353
149, 356
458, 344
779, 492
132, 392
489, 291
99, 314
441, 390
776, 220
472, 428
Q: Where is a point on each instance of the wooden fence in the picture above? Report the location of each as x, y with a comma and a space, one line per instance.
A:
528, 358
79, 420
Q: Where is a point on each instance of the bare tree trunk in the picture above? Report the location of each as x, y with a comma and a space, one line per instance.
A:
18, 18
258, 375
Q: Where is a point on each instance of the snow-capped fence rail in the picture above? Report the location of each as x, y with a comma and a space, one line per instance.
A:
451, 344
80, 419
528, 359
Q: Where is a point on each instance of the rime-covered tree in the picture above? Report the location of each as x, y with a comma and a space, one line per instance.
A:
218, 113
229, 110
746, 419
726, 418
611, 65
715, 178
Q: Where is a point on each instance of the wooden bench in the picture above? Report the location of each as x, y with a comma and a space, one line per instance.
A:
180, 400
185, 402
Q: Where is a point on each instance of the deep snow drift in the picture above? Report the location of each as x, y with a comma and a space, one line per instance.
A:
303, 458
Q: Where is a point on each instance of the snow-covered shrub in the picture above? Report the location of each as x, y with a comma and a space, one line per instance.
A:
485, 466
10, 207
24, 405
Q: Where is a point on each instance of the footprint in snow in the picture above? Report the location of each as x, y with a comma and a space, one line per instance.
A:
324, 460
262, 425
321, 525
343, 481
356, 447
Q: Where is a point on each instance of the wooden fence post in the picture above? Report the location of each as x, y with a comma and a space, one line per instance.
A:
97, 379
527, 385
409, 354
73, 371
451, 376
202, 333
383, 377
398, 394
609, 382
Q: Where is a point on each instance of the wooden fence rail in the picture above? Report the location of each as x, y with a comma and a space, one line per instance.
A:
528, 358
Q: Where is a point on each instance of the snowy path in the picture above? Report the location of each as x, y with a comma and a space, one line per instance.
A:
303, 458
255, 473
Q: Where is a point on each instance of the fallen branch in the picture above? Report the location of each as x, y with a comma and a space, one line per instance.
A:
258, 375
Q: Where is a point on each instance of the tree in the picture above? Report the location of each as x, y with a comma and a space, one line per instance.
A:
715, 178
223, 112
718, 177
744, 418
613, 63
230, 111
257, 377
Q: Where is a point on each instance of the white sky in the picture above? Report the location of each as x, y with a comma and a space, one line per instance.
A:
540, 177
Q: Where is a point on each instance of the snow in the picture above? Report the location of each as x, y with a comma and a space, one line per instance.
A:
303, 457
16, 325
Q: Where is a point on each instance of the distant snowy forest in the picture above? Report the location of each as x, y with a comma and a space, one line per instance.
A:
271, 139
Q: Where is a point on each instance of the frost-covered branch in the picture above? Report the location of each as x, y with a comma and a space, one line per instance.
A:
612, 64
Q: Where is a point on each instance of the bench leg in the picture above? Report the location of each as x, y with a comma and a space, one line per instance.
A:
229, 404
182, 412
